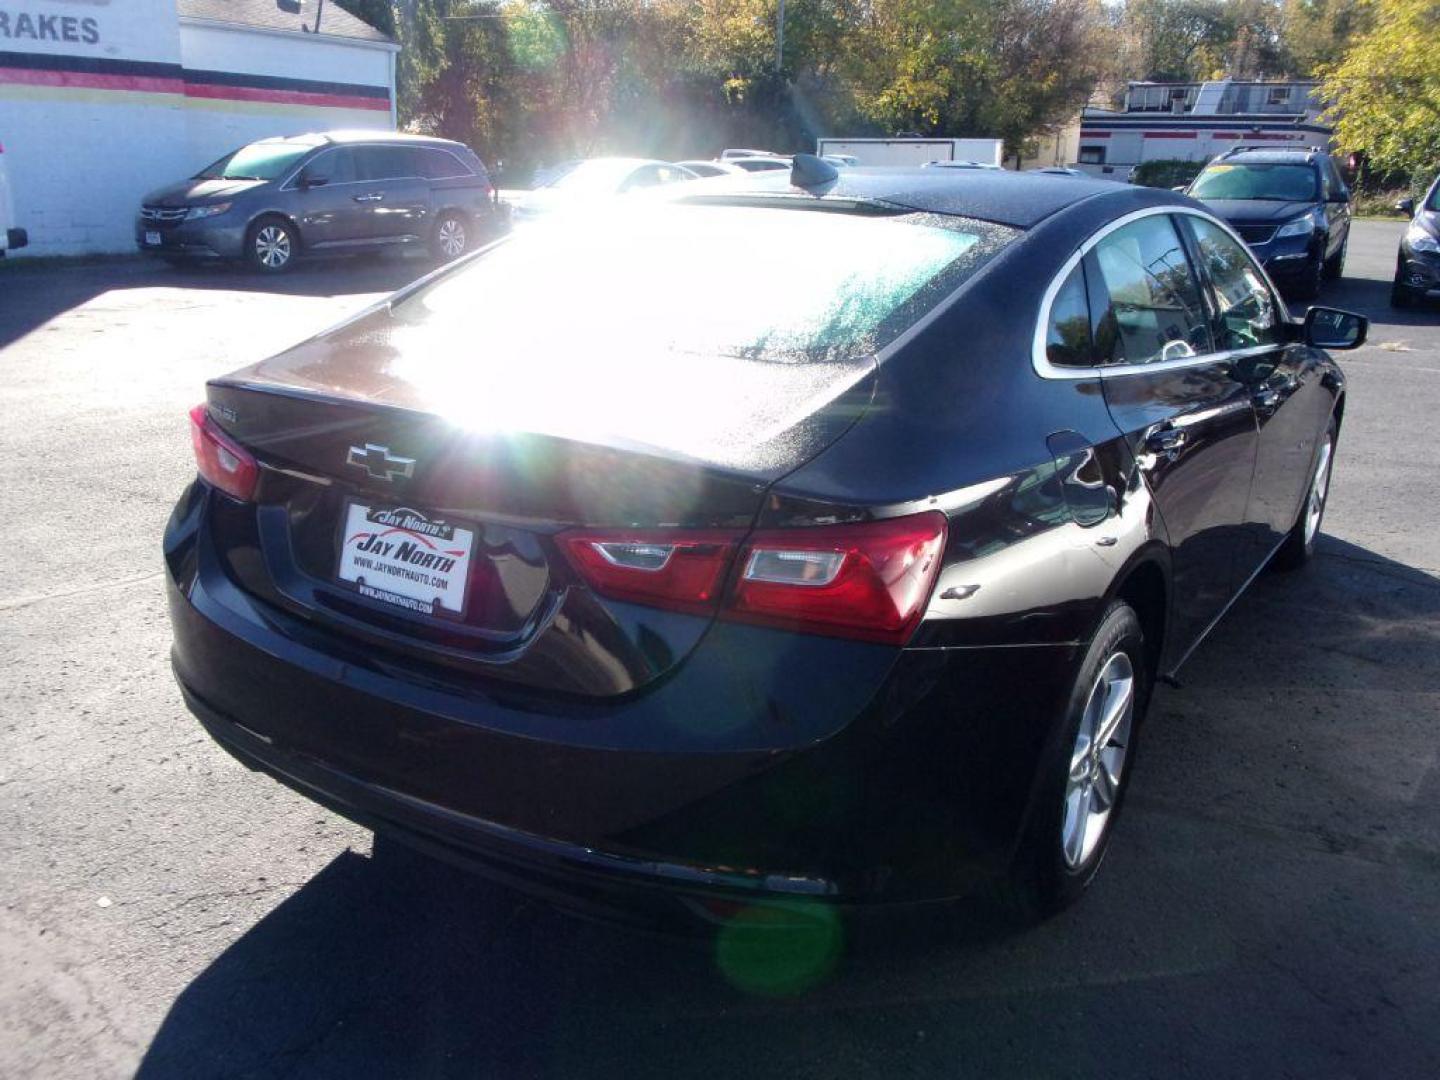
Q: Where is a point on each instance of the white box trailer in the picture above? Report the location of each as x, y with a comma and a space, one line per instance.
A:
914, 151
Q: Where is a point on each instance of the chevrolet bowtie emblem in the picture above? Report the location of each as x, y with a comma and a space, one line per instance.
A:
379, 462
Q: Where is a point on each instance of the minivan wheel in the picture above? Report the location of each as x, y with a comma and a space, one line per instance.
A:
271, 245
1298, 547
452, 238
1086, 773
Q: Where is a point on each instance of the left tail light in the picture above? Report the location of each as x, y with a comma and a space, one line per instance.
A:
870, 581
222, 461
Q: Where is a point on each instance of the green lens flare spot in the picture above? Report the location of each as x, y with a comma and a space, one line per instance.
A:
781, 949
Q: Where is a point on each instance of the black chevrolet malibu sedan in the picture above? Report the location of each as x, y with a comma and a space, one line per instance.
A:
797, 538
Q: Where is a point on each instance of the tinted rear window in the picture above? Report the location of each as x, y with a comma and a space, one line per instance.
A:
785, 286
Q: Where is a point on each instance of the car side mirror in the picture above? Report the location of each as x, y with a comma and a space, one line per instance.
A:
1332, 328
307, 181
1406, 206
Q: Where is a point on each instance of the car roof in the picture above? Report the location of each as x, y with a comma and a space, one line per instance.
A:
320, 138
1006, 198
1269, 157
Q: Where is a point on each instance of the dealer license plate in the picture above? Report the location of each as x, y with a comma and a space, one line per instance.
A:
152, 238
404, 558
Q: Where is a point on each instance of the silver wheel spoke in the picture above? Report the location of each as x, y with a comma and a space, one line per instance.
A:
1118, 696
1097, 760
1077, 816
1319, 487
1106, 785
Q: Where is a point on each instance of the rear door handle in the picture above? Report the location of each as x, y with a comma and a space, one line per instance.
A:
1166, 440
372, 197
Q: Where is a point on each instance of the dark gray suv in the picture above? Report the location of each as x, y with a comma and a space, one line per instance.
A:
275, 200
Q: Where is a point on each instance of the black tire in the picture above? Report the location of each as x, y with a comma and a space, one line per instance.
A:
452, 236
1308, 286
271, 245
1335, 265
1044, 878
1298, 547
1400, 296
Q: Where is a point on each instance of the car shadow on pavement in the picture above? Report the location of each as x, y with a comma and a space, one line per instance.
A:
35, 295
1370, 298
398, 966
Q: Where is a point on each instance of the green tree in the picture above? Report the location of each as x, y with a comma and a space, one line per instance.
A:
1385, 91
1317, 32
976, 67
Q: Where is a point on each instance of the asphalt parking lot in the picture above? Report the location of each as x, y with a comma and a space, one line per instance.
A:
1270, 908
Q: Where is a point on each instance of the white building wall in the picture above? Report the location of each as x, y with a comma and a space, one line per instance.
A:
90, 126
217, 127
72, 151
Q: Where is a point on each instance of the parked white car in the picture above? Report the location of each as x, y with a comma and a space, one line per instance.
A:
11, 237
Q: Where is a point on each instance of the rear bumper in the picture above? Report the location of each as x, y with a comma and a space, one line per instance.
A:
916, 791
648, 892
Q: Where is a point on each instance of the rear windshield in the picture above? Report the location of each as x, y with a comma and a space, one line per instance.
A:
258, 161
775, 285
1276, 183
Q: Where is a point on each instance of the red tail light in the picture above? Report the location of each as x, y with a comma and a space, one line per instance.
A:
869, 581
222, 461
666, 568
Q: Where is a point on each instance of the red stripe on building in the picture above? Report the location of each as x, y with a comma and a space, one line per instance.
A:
1169, 134
86, 80
1094, 134
1224, 135
286, 97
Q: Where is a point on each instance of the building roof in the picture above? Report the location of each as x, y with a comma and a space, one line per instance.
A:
1007, 198
335, 21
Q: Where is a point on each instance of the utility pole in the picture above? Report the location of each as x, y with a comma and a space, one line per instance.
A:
780, 38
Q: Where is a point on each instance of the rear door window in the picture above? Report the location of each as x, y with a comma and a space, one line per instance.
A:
385, 162
1151, 308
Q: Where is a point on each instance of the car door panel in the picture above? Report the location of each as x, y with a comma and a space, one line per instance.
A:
1188, 420
1284, 390
394, 196
327, 212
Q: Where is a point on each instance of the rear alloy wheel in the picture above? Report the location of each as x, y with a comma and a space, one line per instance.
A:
272, 246
451, 238
1086, 772
1299, 546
